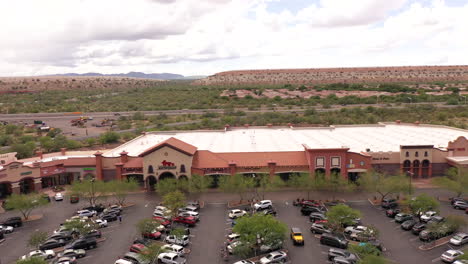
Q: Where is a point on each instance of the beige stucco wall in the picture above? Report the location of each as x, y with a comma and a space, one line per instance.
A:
109, 163
438, 156
169, 155
412, 154
16, 171
385, 157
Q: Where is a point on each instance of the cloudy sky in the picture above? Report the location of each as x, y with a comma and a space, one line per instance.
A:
202, 37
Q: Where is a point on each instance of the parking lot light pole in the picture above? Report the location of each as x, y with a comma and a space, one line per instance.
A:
92, 190
410, 175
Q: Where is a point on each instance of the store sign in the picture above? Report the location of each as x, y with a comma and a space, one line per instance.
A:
26, 173
166, 165
89, 169
15, 166
51, 171
381, 158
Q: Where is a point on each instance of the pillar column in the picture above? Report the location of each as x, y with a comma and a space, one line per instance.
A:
118, 171
232, 168
429, 171
123, 157
272, 168
420, 171
15, 188
99, 173
38, 184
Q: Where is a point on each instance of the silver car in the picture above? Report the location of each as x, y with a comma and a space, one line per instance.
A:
459, 239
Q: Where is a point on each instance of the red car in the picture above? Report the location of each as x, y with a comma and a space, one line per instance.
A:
321, 221
137, 248
187, 220
153, 235
163, 221
307, 203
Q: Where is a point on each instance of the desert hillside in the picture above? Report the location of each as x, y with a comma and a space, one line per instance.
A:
336, 75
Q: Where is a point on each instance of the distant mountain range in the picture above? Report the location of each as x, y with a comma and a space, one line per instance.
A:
160, 76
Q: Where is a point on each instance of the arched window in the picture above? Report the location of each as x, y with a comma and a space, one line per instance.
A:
416, 154
407, 164
150, 169
407, 154
425, 154
182, 168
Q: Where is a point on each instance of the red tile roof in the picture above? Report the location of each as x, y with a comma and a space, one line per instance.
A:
134, 163
207, 159
80, 162
172, 143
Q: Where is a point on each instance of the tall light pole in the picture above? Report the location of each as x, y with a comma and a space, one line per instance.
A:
92, 191
410, 175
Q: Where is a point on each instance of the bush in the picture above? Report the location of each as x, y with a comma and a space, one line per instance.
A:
109, 137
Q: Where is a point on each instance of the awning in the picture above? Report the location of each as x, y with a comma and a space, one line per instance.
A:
357, 170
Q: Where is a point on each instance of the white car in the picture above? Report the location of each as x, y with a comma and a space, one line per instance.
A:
355, 229
274, 257
188, 208
451, 255
6, 229
179, 250
244, 262
195, 215
171, 258
233, 236
45, 254
160, 214
459, 239
233, 245
101, 223
235, 213
461, 261
263, 205
427, 216
86, 213
162, 208
58, 197
181, 241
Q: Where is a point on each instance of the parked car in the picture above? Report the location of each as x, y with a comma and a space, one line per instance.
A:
334, 240
137, 248
188, 221
58, 197
171, 258
86, 213
316, 216
451, 255
427, 216
334, 252
97, 208
235, 213
132, 258
244, 262
52, 243
13, 221
462, 205
319, 229
401, 217
195, 215
461, 261
232, 245
74, 199
179, 250
67, 236
181, 241
392, 212
194, 204
152, 235
143, 241
418, 227
109, 217
112, 211
408, 224
263, 205
427, 235
101, 223
83, 243
436, 219
65, 260
456, 199
44, 254
269, 211
73, 253
341, 260
459, 239
389, 203
296, 236
6, 229
274, 257
93, 234
188, 208
307, 210
355, 229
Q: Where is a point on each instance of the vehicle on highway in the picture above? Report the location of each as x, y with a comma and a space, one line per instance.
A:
319, 229
408, 224
401, 217
171, 258
334, 252
264, 204
179, 250
83, 243
389, 203
459, 239
462, 205
44, 254
181, 241
13, 221
152, 235
418, 227
427, 216
65, 260
6, 229
86, 213
274, 257
296, 236
451, 255
51, 244
392, 212
58, 197
334, 240
73, 253
235, 213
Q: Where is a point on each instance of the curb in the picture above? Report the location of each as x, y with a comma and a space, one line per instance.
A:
442, 242
2, 240
229, 205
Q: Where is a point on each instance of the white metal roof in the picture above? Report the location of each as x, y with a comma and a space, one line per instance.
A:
377, 138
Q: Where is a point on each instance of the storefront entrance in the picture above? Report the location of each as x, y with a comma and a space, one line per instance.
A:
5, 189
26, 185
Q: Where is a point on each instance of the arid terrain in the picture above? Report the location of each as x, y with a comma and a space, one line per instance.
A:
337, 75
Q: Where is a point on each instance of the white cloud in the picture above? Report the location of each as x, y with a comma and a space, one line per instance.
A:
206, 36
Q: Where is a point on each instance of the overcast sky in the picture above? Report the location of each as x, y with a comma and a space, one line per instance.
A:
202, 37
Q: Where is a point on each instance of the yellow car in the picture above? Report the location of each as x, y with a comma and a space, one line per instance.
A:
296, 236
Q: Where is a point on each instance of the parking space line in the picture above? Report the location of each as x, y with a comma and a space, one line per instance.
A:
436, 259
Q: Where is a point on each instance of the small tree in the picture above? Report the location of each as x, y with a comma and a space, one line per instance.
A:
364, 249
455, 181
199, 184
340, 215
120, 189
147, 225
422, 203
238, 184
383, 185
80, 226
456, 222
169, 185
174, 201
178, 232
91, 190
33, 260
373, 259
337, 184
151, 252
25, 203
37, 238
267, 184
306, 183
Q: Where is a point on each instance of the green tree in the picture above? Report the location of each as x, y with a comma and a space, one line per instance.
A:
25, 203
422, 203
25, 150
340, 215
151, 252
456, 181
382, 184
456, 222
267, 184
174, 201
91, 190
37, 238
337, 184
170, 185
364, 249
34, 260
238, 184
373, 259
265, 228
199, 184
80, 226
147, 225
120, 189
109, 137
305, 182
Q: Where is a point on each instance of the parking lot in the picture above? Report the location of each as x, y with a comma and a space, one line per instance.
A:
209, 235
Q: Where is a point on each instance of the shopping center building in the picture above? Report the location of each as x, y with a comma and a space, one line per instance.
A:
422, 151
